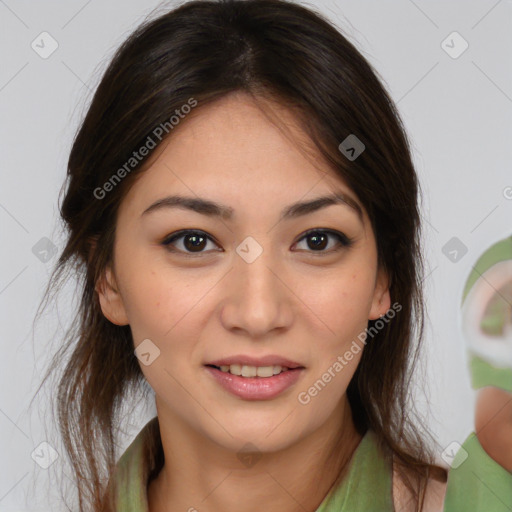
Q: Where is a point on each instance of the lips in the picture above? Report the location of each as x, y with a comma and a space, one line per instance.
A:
255, 388
255, 378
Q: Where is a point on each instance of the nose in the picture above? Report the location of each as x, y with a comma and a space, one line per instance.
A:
259, 300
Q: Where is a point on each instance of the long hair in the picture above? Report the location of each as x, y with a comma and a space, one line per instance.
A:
205, 50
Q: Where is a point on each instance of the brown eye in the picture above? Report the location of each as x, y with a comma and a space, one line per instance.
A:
318, 240
191, 241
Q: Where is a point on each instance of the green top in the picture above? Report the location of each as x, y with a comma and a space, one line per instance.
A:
476, 482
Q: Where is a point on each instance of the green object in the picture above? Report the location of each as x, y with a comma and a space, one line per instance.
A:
493, 318
500, 251
485, 374
368, 484
498, 312
476, 482
479, 483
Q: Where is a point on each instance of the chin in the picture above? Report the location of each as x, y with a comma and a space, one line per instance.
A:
269, 432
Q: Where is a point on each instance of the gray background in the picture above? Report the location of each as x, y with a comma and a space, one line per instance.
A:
458, 113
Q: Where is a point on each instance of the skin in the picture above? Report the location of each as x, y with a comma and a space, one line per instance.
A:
493, 424
295, 301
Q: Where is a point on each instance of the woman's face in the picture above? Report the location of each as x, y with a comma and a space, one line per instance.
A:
251, 288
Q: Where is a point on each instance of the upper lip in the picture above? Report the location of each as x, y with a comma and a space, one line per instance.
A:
270, 360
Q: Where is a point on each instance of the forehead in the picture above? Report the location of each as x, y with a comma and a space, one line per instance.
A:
234, 151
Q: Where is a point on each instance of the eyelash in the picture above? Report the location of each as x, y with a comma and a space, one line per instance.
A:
343, 240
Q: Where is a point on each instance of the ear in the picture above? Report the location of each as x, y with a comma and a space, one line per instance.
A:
381, 301
110, 299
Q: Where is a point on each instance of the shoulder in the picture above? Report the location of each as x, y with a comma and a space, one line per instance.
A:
434, 495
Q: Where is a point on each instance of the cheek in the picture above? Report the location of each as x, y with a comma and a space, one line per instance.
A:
344, 304
345, 301
162, 308
158, 307
156, 294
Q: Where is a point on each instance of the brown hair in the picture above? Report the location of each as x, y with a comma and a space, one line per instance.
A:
206, 50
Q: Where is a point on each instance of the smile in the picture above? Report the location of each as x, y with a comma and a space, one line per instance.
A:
254, 382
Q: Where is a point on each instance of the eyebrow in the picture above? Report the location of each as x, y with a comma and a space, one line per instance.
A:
214, 209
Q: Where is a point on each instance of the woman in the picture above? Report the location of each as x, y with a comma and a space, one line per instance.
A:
242, 205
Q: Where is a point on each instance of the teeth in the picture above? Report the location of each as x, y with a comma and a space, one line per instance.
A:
253, 371
235, 369
249, 371
265, 371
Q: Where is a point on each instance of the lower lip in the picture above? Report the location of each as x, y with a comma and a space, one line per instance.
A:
256, 388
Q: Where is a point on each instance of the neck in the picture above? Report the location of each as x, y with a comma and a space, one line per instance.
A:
201, 476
